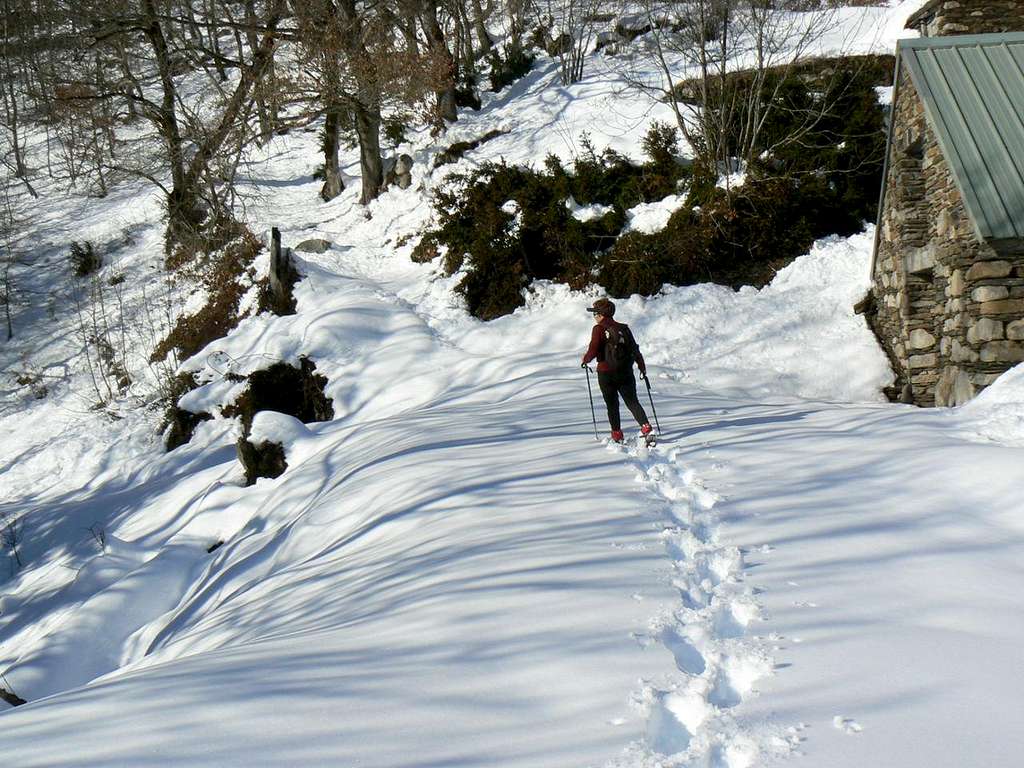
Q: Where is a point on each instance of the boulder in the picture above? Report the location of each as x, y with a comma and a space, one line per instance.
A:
314, 245
398, 171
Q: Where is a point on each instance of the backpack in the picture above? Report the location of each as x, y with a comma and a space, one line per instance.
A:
618, 348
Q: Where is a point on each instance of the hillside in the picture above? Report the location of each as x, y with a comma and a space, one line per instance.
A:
453, 571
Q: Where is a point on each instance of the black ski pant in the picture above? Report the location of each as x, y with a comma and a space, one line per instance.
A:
612, 386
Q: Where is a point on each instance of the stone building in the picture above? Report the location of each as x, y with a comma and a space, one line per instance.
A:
947, 297
961, 17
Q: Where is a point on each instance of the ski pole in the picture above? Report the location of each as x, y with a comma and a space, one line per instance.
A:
591, 393
654, 410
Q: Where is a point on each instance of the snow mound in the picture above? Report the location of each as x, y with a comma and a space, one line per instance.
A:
649, 218
797, 337
997, 414
587, 213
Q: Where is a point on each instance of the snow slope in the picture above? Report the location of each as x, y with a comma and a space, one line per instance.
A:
453, 572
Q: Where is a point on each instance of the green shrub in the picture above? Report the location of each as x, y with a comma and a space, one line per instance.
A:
643, 263
503, 249
394, 129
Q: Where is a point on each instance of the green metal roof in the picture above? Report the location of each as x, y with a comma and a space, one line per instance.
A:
972, 87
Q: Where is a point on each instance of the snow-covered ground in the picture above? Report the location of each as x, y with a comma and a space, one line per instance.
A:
453, 572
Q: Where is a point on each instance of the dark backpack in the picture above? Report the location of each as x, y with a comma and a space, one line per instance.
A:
618, 348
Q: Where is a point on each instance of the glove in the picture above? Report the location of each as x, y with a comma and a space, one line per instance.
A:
583, 365
643, 375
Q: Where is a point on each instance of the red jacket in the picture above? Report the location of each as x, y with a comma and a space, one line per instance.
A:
597, 340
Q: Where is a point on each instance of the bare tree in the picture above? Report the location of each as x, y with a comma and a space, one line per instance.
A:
573, 24
721, 65
138, 52
10, 40
8, 255
357, 66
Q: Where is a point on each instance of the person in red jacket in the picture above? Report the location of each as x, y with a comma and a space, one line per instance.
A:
615, 376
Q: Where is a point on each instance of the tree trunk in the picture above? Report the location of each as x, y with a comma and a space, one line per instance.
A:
332, 173
181, 200
238, 102
483, 36
11, 104
445, 91
365, 104
370, 165
213, 32
262, 109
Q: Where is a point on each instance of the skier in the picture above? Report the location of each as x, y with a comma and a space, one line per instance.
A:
615, 349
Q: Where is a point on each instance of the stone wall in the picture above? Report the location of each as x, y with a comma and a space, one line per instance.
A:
968, 17
949, 308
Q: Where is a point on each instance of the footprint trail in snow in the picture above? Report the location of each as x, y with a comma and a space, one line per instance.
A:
690, 712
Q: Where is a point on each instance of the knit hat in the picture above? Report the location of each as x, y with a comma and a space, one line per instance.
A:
603, 307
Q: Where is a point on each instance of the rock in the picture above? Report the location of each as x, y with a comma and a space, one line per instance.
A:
956, 283
986, 329
923, 361
984, 379
983, 270
1004, 307
314, 245
866, 305
1002, 352
944, 223
990, 293
332, 187
960, 353
1015, 330
403, 171
954, 387
921, 339
403, 164
398, 171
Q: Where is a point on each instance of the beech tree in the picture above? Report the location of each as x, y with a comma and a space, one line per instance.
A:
358, 65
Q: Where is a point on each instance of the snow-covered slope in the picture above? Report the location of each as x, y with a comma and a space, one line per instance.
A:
453, 572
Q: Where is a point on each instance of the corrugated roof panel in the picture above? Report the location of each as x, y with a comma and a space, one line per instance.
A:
973, 91
995, 181
1004, 119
